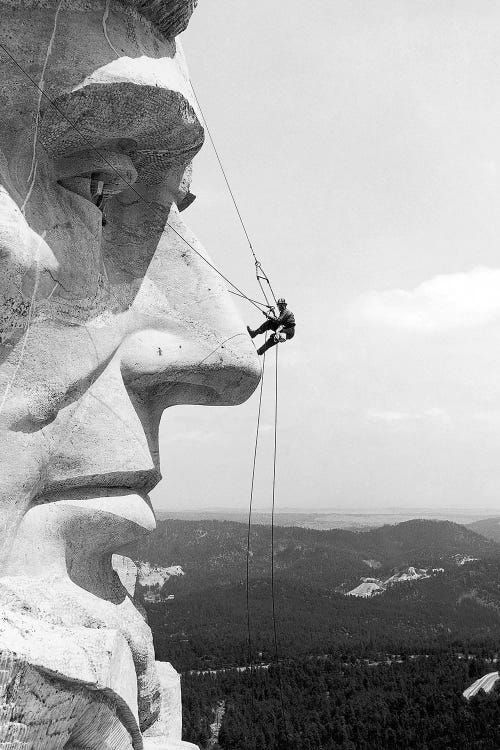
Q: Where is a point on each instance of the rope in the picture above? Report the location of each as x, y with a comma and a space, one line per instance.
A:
270, 307
249, 630
223, 172
258, 266
275, 632
112, 167
220, 346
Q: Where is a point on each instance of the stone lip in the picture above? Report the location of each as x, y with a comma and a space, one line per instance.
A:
121, 483
130, 503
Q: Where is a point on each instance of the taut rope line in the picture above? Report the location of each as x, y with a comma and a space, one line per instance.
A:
259, 271
250, 507
275, 632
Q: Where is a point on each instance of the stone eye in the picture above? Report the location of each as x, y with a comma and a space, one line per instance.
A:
96, 189
79, 185
95, 175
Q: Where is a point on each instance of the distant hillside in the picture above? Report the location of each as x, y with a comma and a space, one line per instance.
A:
428, 542
360, 520
214, 552
207, 628
205, 623
487, 527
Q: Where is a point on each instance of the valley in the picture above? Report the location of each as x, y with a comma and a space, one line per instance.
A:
434, 621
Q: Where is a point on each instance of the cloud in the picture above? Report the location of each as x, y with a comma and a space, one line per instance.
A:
388, 416
190, 436
394, 417
442, 303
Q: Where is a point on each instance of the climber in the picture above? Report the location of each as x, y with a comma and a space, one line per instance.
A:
283, 327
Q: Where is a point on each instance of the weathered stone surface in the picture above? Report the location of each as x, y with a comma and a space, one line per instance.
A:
166, 733
107, 317
127, 572
38, 712
169, 722
171, 18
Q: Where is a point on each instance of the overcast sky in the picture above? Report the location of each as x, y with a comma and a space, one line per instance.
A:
362, 140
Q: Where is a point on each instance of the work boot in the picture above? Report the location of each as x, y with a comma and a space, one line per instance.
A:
253, 334
267, 345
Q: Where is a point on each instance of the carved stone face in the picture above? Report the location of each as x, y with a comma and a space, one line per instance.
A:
107, 315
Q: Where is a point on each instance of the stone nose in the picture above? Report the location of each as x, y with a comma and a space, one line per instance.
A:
171, 367
188, 344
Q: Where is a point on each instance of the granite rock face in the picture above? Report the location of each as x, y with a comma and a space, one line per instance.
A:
107, 317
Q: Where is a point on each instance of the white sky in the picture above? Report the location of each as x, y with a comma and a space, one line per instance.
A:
362, 140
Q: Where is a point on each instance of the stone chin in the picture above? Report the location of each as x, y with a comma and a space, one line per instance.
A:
60, 574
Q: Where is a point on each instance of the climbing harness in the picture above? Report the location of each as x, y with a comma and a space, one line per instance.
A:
279, 335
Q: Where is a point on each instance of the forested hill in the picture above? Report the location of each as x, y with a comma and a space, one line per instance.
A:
205, 624
216, 551
487, 527
380, 673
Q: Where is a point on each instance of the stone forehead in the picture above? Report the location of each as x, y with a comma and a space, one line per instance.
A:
170, 17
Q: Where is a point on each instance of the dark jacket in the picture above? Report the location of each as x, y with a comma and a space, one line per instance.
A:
286, 319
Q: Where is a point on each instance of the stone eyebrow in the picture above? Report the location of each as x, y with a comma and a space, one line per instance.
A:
171, 17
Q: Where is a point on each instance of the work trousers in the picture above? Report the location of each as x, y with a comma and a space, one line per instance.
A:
273, 325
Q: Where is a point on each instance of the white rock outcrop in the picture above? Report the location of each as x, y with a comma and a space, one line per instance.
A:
109, 314
367, 588
156, 575
485, 683
373, 586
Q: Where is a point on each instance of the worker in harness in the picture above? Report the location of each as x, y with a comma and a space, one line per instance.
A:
283, 327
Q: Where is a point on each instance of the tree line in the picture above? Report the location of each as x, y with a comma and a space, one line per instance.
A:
327, 704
